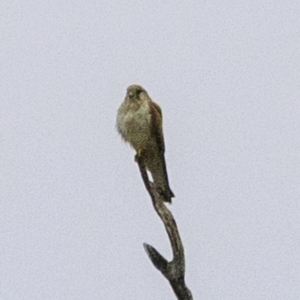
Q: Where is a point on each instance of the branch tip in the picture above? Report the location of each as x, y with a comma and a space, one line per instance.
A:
157, 259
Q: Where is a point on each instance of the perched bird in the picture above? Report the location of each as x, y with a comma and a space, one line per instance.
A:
139, 121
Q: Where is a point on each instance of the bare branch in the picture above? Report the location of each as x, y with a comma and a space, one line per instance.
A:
174, 270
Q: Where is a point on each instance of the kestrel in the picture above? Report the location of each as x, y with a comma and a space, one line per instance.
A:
139, 121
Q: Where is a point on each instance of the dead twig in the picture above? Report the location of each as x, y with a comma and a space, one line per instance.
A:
174, 270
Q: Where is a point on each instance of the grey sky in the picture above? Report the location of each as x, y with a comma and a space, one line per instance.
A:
74, 212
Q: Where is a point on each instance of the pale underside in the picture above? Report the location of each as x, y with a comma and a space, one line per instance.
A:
140, 124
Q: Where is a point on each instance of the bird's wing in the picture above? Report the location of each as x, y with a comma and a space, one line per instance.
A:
156, 125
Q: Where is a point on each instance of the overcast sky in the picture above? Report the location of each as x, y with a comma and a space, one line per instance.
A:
74, 212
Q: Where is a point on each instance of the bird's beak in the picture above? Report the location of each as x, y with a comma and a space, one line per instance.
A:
131, 94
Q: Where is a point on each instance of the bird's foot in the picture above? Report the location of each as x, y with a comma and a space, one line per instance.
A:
139, 154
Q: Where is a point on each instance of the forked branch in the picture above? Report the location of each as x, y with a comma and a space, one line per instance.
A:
174, 270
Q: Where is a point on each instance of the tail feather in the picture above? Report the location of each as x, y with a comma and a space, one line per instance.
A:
160, 177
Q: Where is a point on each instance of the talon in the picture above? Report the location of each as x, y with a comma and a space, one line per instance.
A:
139, 154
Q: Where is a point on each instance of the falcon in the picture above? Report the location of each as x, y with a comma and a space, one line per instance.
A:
139, 121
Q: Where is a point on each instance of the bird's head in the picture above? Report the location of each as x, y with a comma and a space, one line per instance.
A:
134, 91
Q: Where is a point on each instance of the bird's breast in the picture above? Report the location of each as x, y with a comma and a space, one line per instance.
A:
134, 125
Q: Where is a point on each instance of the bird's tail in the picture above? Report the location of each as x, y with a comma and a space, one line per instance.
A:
160, 177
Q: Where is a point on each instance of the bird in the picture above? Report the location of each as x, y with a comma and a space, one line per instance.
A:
139, 122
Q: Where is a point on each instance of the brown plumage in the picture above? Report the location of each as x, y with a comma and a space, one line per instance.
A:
139, 121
